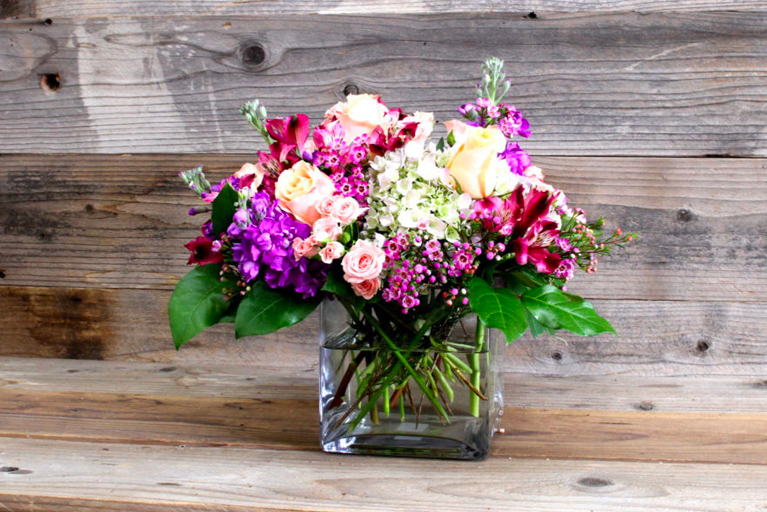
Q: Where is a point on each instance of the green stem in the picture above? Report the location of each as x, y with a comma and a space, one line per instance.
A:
413, 374
476, 369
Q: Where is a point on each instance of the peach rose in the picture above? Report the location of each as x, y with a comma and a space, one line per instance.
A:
303, 248
457, 127
326, 229
346, 210
300, 188
476, 165
368, 288
363, 262
331, 252
359, 115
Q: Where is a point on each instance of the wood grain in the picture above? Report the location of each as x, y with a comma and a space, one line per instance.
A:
75, 8
680, 393
674, 84
291, 424
121, 222
144, 478
656, 337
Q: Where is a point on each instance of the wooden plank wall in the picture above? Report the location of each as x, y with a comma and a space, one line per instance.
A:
650, 112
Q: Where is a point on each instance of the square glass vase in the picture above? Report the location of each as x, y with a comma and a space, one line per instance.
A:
441, 399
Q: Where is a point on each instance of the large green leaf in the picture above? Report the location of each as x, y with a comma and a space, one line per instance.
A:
337, 285
556, 309
196, 303
264, 310
498, 308
224, 207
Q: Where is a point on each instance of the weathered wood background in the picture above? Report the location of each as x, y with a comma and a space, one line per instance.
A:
653, 113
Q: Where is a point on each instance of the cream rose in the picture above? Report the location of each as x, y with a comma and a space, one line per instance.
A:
368, 288
346, 210
363, 262
476, 165
359, 115
331, 252
300, 188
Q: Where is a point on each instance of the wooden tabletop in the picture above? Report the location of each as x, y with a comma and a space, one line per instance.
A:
95, 435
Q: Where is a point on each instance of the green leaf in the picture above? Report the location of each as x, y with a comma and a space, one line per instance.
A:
196, 304
224, 207
337, 285
441, 144
264, 310
231, 312
536, 328
556, 309
498, 308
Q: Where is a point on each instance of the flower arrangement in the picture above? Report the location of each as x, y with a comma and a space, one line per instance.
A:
409, 235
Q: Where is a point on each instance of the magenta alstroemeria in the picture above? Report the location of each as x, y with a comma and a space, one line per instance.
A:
290, 131
532, 248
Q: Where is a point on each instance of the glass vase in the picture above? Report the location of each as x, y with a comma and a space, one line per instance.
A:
440, 397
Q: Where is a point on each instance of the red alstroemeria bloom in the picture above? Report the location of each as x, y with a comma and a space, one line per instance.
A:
201, 249
532, 248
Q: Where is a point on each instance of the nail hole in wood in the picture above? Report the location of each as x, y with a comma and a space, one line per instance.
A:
351, 89
89, 208
591, 481
253, 54
532, 15
684, 215
50, 83
556, 355
48, 21
645, 406
2, 273
702, 346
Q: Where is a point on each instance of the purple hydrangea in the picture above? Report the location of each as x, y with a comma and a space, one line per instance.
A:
264, 248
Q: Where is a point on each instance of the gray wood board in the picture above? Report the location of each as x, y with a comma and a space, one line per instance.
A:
75, 8
655, 337
674, 84
120, 222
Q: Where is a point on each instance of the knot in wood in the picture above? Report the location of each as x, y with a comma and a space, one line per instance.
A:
351, 89
50, 83
253, 54
591, 481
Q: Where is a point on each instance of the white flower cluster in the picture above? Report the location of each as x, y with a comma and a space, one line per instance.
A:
414, 193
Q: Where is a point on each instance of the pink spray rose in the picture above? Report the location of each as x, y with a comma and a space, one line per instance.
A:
300, 188
326, 229
303, 248
325, 207
346, 210
368, 288
331, 252
363, 262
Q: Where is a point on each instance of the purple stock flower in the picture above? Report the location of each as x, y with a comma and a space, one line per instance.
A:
517, 158
513, 123
265, 249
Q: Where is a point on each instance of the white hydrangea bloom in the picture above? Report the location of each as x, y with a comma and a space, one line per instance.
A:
414, 195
